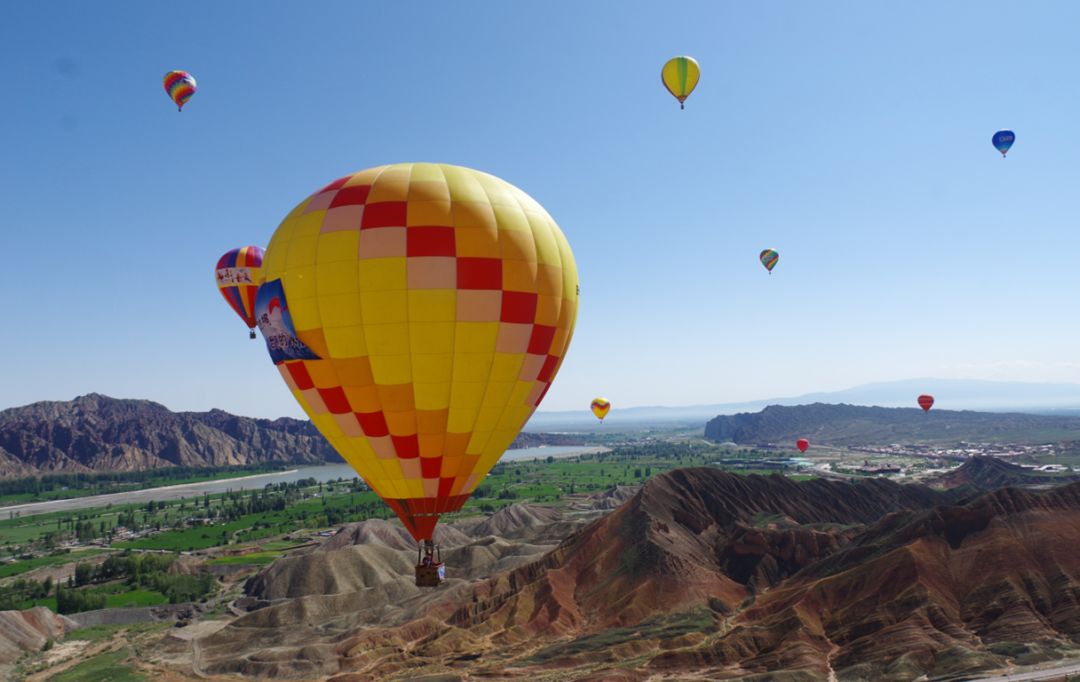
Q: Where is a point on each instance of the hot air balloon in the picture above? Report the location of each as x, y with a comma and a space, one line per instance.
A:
769, 258
680, 76
180, 86
600, 407
1003, 141
802, 444
239, 274
926, 402
419, 312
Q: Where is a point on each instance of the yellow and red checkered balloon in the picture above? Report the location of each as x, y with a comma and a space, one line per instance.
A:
419, 312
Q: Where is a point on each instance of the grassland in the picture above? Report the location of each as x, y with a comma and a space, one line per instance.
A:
112, 666
24, 565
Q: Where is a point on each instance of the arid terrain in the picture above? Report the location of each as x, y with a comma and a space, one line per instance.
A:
701, 574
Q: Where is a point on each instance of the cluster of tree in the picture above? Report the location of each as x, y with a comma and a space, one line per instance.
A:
147, 571
128, 566
22, 592
74, 601
180, 588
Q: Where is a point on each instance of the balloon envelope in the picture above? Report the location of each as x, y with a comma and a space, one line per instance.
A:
239, 274
1003, 141
769, 258
680, 76
419, 312
600, 407
180, 86
802, 444
926, 402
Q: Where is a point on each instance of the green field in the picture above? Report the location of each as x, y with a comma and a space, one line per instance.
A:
112, 666
117, 596
137, 597
254, 559
24, 565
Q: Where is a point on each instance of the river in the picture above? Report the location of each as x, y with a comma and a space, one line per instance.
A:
326, 472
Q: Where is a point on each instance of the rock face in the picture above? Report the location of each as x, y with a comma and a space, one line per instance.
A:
938, 592
689, 536
857, 425
363, 577
701, 574
22, 631
98, 433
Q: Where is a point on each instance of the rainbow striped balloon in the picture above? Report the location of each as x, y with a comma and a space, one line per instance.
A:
180, 86
769, 259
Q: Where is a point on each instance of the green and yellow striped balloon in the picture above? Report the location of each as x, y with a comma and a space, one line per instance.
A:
680, 76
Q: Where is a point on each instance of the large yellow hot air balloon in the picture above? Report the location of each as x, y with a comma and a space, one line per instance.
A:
419, 312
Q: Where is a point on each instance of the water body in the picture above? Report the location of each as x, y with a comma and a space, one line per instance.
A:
323, 473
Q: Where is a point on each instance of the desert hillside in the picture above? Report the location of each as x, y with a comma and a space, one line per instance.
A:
701, 573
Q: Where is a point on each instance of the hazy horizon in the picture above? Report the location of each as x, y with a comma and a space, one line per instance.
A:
951, 394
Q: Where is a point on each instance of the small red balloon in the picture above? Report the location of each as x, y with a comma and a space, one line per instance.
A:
926, 402
802, 444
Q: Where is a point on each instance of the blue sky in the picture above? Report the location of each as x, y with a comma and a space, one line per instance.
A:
854, 138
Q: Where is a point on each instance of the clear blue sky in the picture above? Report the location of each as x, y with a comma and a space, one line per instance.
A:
852, 137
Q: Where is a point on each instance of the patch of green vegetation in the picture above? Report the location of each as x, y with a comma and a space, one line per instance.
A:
24, 565
112, 666
136, 597
255, 559
279, 544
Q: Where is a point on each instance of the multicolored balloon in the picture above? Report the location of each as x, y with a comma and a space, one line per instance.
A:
802, 444
769, 258
600, 407
239, 274
926, 402
180, 86
419, 312
1003, 141
680, 76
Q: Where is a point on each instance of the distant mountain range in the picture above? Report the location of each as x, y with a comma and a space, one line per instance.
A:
858, 425
98, 433
951, 394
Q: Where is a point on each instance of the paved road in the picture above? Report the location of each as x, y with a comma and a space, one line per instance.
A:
1059, 673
